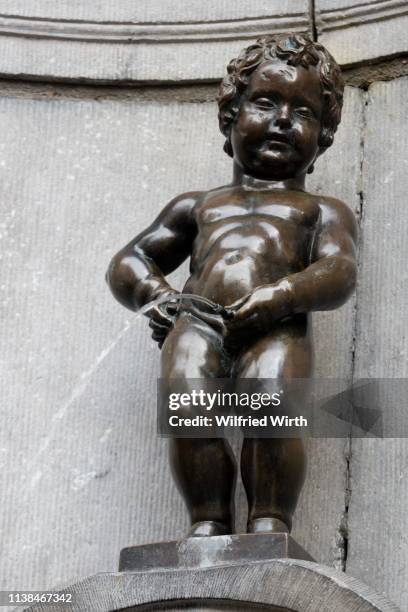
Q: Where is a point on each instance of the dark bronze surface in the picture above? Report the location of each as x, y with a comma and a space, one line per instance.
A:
264, 248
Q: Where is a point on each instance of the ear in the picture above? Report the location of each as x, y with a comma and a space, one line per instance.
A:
326, 138
312, 165
228, 147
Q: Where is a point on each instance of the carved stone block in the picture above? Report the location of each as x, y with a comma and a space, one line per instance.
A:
356, 31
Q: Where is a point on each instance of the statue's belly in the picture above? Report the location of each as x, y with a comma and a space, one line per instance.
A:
240, 260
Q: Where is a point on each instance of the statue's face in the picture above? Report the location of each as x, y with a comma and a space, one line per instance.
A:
276, 132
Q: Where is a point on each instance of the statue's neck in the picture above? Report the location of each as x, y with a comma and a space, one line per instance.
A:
296, 183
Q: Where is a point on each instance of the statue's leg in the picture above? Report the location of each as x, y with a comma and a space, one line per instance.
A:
204, 469
273, 469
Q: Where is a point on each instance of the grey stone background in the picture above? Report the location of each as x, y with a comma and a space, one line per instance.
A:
83, 168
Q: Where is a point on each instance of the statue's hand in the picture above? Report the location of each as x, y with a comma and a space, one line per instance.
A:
162, 318
256, 312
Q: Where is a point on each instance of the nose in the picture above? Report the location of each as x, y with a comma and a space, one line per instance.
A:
283, 117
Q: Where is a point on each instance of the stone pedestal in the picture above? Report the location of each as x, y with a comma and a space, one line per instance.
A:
195, 553
240, 572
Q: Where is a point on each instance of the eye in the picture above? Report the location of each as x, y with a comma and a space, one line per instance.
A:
305, 111
265, 103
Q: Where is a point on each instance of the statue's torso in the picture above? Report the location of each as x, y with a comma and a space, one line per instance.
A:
249, 238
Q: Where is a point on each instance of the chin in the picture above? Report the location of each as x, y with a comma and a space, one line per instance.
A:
276, 161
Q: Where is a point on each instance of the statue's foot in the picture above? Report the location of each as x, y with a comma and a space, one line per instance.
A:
208, 528
267, 525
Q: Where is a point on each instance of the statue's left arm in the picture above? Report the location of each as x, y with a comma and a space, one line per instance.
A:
325, 284
331, 277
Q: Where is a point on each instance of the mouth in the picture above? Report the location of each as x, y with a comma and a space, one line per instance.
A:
279, 139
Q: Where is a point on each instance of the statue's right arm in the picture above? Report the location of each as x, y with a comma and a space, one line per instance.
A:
136, 274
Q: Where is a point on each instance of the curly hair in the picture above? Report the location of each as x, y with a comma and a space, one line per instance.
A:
295, 49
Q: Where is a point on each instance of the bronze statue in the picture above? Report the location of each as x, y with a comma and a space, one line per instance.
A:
268, 252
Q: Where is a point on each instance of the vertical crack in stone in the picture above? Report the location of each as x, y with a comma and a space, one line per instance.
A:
312, 16
343, 531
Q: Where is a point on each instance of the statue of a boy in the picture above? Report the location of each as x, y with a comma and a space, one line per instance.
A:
263, 247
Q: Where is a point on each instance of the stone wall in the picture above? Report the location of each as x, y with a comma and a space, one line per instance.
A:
88, 161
